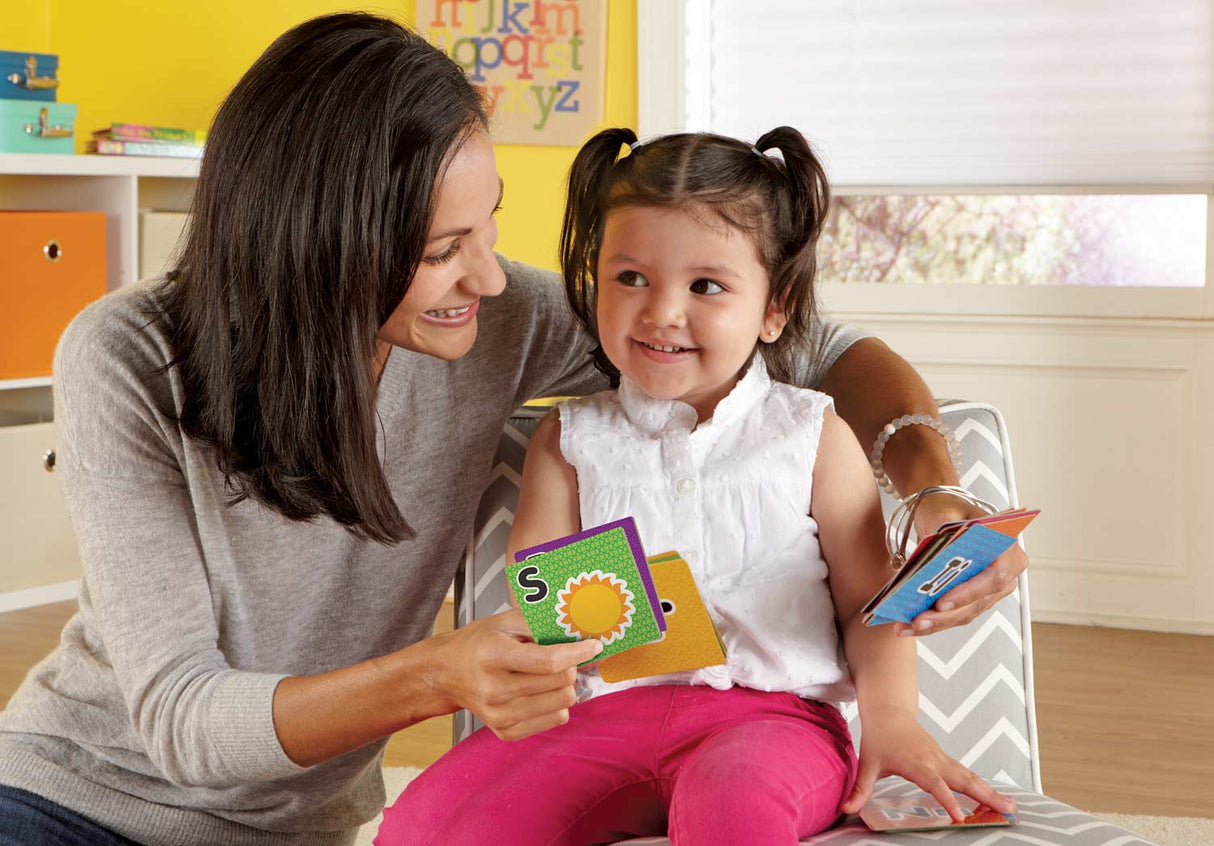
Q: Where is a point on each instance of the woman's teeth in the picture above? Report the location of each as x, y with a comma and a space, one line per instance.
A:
661, 348
448, 312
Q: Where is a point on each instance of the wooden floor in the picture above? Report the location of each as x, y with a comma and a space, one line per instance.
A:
1125, 718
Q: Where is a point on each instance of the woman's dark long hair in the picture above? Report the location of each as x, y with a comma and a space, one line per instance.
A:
780, 203
309, 220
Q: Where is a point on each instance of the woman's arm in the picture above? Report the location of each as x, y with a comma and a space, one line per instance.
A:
883, 666
489, 666
484, 661
201, 719
872, 385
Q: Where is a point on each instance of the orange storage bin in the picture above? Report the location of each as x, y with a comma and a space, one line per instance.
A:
52, 264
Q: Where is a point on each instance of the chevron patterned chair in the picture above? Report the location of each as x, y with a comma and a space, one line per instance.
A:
976, 681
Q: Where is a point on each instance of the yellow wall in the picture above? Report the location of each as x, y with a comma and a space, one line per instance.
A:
171, 63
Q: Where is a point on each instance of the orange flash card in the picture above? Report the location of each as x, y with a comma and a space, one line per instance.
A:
691, 640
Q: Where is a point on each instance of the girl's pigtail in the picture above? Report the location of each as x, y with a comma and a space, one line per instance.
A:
582, 230
800, 214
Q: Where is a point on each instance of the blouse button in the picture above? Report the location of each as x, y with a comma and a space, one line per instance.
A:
685, 486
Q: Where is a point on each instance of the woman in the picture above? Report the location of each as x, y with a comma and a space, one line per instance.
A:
272, 461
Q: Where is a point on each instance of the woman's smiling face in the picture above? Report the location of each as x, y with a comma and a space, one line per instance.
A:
438, 313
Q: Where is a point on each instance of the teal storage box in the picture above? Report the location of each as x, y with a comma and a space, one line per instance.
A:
29, 76
30, 126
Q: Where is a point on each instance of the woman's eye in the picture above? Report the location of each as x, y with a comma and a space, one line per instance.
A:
632, 279
706, 286
445, 256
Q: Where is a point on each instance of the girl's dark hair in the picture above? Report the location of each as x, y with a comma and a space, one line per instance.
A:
780, 204
310, 217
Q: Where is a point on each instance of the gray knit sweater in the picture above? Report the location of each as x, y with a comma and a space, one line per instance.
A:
153, 717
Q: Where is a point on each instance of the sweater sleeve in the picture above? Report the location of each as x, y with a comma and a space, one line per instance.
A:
828, 341
146, 582
558, 362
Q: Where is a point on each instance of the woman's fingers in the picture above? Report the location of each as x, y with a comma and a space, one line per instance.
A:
510, 622
994, 583
964, 603
546, 660
517, 687
535, 725
527, 715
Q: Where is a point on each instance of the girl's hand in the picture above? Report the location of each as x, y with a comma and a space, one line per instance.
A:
516, 686
894, 744
964, 603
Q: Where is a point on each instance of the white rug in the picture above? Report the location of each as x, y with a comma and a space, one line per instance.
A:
1166, 831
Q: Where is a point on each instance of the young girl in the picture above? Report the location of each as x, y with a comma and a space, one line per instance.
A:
691, 261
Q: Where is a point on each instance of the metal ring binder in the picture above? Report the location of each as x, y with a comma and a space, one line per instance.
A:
898, 529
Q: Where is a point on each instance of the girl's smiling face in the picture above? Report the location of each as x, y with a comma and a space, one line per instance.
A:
682, 299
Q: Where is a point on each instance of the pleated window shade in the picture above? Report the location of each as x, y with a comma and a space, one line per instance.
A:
966, 92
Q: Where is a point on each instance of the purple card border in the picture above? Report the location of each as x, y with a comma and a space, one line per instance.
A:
634, 542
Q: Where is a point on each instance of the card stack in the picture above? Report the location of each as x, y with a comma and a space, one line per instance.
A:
598, 583
954, 554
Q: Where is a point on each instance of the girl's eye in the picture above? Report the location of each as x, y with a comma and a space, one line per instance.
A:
445, 256
632, 279
706, 286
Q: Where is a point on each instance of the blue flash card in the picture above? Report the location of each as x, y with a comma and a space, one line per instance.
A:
966, 556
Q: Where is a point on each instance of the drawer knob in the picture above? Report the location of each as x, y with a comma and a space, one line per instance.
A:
52, 251
48, 460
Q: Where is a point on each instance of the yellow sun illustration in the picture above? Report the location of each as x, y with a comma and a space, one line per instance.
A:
595, 604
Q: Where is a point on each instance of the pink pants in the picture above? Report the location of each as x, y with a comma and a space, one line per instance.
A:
705, 766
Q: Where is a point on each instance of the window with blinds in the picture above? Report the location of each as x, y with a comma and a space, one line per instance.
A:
1025, 142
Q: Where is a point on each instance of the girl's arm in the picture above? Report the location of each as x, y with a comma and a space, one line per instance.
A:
872, 385
883, 665
548, 498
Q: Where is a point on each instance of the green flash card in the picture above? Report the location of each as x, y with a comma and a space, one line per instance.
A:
594, 584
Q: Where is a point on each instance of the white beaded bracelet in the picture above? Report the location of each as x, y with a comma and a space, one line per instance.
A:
883, 480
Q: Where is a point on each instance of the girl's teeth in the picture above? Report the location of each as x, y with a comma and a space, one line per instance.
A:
663, 349
448, 312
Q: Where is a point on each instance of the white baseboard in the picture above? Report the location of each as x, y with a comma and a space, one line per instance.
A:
41, 595
1120, 621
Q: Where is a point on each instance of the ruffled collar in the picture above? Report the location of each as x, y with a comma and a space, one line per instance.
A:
655, 416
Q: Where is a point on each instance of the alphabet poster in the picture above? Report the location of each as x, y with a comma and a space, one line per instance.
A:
539, 62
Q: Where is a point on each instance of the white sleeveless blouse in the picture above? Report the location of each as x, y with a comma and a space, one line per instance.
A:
732, 495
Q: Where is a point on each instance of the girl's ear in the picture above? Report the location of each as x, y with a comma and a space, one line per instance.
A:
774, 321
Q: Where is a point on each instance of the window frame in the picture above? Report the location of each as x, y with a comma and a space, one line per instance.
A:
662, 107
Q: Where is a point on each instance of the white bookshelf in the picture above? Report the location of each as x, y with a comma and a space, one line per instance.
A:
115, 185
40, 562
21, 384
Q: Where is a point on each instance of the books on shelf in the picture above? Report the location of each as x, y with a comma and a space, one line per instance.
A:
132, 139
140, 132
143, 148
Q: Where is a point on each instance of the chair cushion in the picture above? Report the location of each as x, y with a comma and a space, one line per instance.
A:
1043, 822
